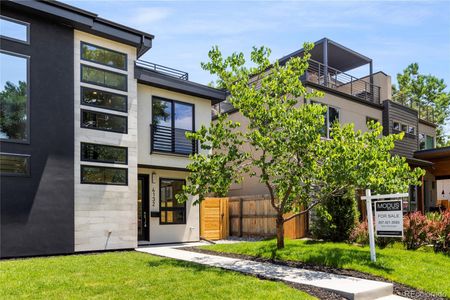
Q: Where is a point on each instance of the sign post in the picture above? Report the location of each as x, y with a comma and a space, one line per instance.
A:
373, 256
388, 217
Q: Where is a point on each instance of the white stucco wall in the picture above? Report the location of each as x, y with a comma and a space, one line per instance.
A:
170, 233
202, 113
106, 215
352, 111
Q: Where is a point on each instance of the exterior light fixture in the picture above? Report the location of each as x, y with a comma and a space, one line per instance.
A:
153, 177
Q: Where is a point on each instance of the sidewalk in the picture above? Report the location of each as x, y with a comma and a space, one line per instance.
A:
349, 287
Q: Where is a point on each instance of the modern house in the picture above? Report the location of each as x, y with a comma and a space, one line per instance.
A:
92, 140
359, 99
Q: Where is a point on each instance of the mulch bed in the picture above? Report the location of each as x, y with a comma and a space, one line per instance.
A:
399, 289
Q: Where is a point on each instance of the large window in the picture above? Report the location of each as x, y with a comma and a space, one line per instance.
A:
103, 99
14, 164
104, 78
103, 121
14, 125
104, 153
171, 211
331, 116
170, 122
104, 175
103, 56
14, 30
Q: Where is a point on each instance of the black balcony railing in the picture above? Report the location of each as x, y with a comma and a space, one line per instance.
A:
163, 69
335, 79
171, 140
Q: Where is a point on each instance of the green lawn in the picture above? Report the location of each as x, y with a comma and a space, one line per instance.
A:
130, 275
419, 269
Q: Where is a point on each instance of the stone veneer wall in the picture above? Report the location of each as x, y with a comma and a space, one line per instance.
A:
106, 215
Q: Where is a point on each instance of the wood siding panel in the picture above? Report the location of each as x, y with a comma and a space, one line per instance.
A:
394, 112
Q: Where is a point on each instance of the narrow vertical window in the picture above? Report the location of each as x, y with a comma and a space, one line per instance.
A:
171, 211
14, 123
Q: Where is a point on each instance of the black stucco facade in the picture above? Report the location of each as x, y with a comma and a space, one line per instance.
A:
37, 212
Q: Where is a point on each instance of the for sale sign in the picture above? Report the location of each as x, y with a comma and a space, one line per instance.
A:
389, 218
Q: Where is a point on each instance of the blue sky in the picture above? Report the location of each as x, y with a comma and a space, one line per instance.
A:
392, 33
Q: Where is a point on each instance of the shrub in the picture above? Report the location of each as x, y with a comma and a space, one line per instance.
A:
360, 234
335, 218
438, 232
415, 230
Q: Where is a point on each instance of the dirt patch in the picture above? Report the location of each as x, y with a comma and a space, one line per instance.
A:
399, 289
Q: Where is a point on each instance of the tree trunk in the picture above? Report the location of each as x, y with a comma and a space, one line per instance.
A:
280, 232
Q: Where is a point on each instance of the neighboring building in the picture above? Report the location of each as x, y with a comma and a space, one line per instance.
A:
358, 100
92, 144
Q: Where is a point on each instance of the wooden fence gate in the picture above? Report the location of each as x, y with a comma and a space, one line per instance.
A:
214, 218
244, 216
255, 216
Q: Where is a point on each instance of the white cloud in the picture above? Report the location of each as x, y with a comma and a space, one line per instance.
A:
149, 15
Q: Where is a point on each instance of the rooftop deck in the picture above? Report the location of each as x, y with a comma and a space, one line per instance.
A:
335, 79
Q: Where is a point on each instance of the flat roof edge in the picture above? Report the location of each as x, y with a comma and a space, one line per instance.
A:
86, 21
157, 79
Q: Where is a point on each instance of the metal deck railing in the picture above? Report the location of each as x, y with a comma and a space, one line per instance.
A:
171, 140
335, 79
163, 69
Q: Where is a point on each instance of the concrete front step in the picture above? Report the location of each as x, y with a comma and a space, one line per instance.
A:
349, 287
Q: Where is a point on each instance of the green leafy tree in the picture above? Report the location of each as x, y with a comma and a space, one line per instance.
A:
423, 92
282, 145
13, 110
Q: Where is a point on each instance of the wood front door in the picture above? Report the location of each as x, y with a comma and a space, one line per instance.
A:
143, 208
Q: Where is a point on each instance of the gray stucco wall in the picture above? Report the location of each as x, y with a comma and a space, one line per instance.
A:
37, 211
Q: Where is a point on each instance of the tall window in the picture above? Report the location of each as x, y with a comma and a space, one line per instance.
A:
331, 116
170, 122
14, 97
171, 211
14, 30
426, 141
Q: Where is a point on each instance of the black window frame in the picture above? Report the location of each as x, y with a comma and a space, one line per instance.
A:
104, 161
104, 113
82, 88
103, 183
27, 158
103, 48
172, 208
103, 85
327, 117
28, 124
20, 22
172, 124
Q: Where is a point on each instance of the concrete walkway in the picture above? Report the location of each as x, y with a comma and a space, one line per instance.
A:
349, 287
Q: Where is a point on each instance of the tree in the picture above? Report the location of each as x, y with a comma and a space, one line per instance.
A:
282, 143
424, 91
13, 110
